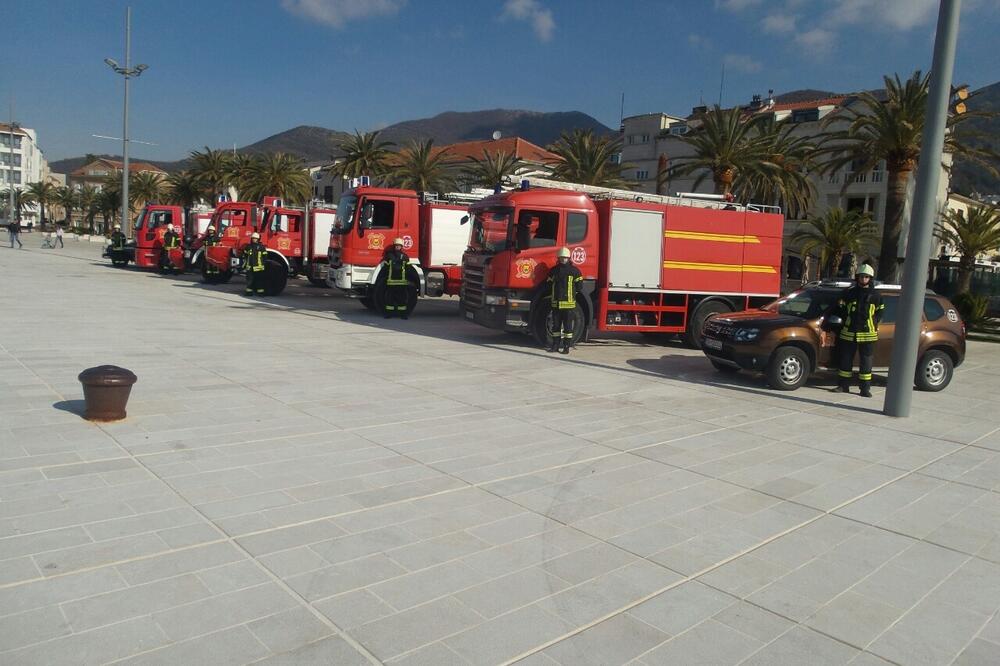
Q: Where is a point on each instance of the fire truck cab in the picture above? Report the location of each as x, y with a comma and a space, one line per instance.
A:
152, 223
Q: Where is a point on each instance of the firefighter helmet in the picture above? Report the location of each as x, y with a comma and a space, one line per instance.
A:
865, 269
210, 229
563, 253
398, 241
118, 227
255, 236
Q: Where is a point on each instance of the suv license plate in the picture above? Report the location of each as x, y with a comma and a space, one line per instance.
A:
712, 343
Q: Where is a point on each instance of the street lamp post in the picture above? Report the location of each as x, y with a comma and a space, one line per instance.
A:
903, 364
127, 71
10, 167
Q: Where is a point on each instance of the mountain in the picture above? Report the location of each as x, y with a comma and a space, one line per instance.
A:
315, 144
968, 177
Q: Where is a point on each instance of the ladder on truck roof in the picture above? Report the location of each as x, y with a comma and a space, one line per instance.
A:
455, 197
597, 192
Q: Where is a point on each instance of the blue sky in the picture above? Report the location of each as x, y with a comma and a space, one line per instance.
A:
235, 71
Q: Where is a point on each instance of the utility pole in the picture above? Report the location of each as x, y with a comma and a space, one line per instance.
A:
918, 245
10, 167
127, 71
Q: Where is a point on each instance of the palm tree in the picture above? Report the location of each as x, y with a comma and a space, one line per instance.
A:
970, 236
835, 234
588, 159
183, 189
419, 167
69, 200
729, 145
494, 169
143, 187
891, 130
212, 167
782, 175
109, 203
279, 175
363, 155
241, 166
87, 201
21, 199
44, 194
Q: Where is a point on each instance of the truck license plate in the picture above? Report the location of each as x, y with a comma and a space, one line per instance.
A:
712, 343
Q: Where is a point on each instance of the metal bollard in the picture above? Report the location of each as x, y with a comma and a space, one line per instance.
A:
106, 389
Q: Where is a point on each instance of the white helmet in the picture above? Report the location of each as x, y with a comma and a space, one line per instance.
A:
170, 227
563, 253
118, 227
210, 229
865, 269
255, 236
398, 241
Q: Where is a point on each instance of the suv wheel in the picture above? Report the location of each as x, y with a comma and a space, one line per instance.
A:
934, 371
788, 369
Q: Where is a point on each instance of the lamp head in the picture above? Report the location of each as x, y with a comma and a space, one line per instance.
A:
139, 69
111, 63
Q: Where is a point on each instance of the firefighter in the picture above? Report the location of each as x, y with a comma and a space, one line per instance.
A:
171, 241
117, 250
860, 310
565, 279
396, 294
253, 262
211, 239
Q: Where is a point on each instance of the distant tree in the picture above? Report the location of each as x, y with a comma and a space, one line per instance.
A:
145, 187
241, 166
834, 234
419, 167
279, 175
970, 235
183, 189
891, 129
44, 194
212, 167
109, 203
583, 157
68, 200
494, 169
781, 176
363, 155
87, 201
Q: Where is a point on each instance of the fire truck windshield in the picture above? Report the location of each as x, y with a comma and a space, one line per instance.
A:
139, 220
344, 221
491, 229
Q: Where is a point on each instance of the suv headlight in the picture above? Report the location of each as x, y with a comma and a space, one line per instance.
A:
492, 299
746, 334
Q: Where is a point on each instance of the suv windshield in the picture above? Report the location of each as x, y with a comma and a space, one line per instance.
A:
344, 221
807, 304
491, 229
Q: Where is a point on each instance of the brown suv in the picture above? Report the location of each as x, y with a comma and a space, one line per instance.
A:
786, 339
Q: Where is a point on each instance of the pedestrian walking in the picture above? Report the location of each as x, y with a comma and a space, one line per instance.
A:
396, 289
253, 262
59, 235
14, 230
565, 280
860, 310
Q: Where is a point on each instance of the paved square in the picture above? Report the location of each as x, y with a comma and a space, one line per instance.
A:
299, 481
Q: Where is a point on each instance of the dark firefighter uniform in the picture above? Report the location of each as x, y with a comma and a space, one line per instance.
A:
397, 287
211, 240
118, 241
171, 241
564, 282
860, 308
254, 254
117, 249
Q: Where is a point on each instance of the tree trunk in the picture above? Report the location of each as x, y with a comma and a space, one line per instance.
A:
834, 265
966, 265
895, 206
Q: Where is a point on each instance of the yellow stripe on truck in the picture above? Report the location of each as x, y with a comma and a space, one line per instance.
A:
721, 238
729, 268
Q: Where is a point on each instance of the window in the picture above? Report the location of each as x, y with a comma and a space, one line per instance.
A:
538, 228
616, 158
641, 174
889, 314
932, 309
328, 194
857, 203
232, 218
805, 115
5, 159
160, 218
576, 227
631, 139
5, 139
645, 138
385, 213
677, 130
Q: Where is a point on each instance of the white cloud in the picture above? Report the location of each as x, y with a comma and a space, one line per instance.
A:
893, 14
338, 12
778, 23
735, 5
742, 63
816, 41
531, 12
699, 41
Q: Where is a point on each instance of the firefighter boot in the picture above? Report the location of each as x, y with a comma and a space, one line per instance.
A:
866, 389
843, 386
553, 344
565, 346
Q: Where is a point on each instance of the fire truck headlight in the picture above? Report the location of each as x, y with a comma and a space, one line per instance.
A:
495, 300
746, 334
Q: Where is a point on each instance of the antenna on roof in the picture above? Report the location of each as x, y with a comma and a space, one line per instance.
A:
722, 83
621, 117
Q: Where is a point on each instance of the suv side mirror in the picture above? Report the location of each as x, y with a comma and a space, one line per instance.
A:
834, 320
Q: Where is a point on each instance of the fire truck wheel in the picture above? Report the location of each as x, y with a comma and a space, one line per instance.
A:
275, 277
541, 324
692, 337
318, 282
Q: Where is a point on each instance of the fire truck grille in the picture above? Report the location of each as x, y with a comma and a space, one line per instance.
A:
473, 280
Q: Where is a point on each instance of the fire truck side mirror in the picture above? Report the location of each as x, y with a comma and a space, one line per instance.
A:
464, 220
367, 213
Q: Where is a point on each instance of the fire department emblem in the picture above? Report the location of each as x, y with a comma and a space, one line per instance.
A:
233, 232
376, 241
284, 243
579, 255
525, 267
407, 242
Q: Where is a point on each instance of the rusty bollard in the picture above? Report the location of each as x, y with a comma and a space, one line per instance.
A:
105, 391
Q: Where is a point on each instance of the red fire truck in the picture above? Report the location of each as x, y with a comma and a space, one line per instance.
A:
296, 241
651, 264
144, 250
370, 218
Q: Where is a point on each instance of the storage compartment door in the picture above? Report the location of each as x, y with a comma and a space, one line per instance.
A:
449, 237
635, 257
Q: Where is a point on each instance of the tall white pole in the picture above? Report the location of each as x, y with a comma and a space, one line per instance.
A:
10, 167
126, 217
903, 364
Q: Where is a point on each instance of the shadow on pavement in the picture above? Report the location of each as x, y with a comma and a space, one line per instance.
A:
72, 406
